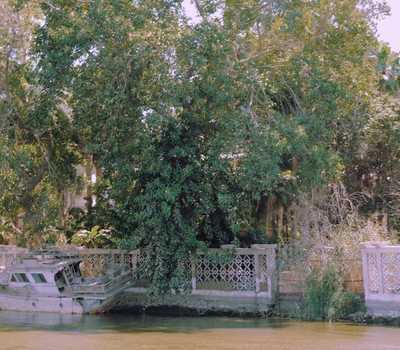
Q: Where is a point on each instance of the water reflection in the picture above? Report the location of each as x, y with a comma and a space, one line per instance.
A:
40, 331
10, 320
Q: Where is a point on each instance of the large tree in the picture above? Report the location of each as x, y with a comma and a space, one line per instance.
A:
191, 126
37, 155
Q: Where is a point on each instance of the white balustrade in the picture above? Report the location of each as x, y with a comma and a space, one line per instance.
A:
381, 277
246, 272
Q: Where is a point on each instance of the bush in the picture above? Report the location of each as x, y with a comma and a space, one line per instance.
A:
325, 297
343, 304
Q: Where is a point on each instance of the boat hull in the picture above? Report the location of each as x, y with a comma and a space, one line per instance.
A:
32, 303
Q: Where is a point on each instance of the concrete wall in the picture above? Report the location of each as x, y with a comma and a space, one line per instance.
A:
236, 304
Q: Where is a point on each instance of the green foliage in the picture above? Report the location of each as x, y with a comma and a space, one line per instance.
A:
345, 303
37, 154
190, 126
95, 238
325, 298
389, 68
220, 256
320, 290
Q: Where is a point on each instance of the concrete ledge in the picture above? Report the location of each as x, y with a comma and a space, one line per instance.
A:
132, 298
383, 308
290, 304
230, 294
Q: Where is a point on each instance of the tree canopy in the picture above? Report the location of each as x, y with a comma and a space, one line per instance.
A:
191, 126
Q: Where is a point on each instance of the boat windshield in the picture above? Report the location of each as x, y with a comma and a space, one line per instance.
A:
77, 270
60, 281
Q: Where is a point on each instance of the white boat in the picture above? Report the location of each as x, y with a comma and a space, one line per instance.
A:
54, 283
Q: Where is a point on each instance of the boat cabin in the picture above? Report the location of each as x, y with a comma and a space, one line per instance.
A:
46, 276
54, 283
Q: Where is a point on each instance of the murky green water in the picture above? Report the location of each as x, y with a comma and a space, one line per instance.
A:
20, 331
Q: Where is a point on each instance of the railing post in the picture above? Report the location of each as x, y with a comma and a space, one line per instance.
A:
365, 270
271, 268
265, 274
257, 270
378, 253
193, 263
134, 261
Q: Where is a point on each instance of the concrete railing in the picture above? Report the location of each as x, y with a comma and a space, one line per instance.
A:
246, 272
250, 272
381, 275
243, 272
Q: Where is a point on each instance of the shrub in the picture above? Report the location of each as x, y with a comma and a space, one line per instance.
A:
343, 304
325, 297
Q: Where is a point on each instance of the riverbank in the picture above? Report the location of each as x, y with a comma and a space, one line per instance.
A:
274, 312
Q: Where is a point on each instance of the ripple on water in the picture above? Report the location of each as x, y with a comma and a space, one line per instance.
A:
34, 331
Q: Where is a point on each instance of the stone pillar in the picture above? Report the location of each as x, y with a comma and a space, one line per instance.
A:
257, 271
193, 263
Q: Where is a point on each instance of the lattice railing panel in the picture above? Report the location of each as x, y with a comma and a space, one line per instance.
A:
391, 273
237, 275
381, 271
96, 263
93, 264
141, 268
248, 269
373, 273
264, 272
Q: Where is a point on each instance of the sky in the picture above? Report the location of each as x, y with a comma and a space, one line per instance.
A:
191, 11
388, 29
